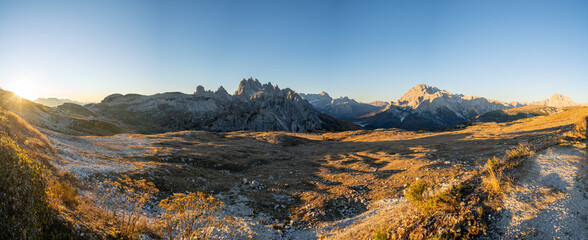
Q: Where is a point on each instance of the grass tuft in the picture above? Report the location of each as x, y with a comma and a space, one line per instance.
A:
381, 233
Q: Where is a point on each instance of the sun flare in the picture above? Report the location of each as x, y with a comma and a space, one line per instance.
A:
24, 89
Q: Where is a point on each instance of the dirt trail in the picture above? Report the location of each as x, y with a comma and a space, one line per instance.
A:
551, 200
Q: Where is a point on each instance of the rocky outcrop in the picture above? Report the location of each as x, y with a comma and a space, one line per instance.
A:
254, 107
343, 107
430, 108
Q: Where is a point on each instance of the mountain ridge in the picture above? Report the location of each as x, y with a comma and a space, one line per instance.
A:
253, 106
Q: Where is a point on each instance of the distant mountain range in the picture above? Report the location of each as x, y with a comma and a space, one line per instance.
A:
265, 107
343, 107
54, 102
422, 107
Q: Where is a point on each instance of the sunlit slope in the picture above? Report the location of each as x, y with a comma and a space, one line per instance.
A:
49, 118
513, 114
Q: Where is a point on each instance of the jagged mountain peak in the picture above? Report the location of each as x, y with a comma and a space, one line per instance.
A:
426, 88
221, 90
324, 94
421, 93
344, 100
248, 87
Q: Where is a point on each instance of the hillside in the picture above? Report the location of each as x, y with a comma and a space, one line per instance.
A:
56, 119
514, 114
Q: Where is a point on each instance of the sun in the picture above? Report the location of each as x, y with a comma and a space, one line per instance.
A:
24, 89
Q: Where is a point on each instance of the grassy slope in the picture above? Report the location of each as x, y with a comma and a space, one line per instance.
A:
31, 180
514, 114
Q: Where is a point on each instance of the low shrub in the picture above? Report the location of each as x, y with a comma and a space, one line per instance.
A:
65, 192
421, 194
519, 152
190, 216
381, 233
124, 199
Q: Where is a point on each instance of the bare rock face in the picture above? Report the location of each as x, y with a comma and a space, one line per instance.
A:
430, 108
254, 107
343, 107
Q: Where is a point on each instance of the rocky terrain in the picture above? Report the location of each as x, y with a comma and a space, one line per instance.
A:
343, 107
254, 107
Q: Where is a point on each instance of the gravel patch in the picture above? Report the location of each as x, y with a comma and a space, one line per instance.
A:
551, 201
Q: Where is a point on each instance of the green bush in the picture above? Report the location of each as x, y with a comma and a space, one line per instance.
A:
23, 207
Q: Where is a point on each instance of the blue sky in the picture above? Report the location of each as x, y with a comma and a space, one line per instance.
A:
367, 50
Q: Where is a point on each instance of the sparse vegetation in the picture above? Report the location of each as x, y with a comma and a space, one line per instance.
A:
189, 216
420, 193
579, 132
494, 182
65, 192
124, 199
456, 213
380, 233
497, 179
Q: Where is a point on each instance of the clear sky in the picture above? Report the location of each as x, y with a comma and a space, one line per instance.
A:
367, 50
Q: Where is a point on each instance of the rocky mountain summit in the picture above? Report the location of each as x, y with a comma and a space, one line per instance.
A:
427, 107
254, 107
557, 100
342, 107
